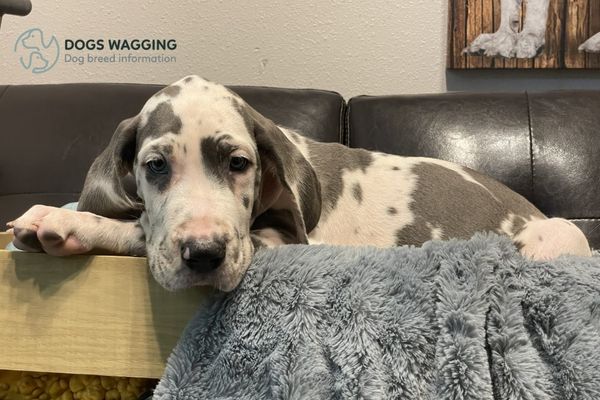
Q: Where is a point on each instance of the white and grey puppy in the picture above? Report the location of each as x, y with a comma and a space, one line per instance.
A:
198, 180
508, 42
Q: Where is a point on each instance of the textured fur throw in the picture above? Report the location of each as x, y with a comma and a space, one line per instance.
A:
451, 320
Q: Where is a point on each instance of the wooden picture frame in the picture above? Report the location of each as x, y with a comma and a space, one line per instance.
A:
569, 24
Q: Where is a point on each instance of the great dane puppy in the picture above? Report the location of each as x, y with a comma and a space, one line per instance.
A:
508, 42
198, 180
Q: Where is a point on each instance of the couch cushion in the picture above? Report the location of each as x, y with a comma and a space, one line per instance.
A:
486, 132
542, 145
565, 136
52, 133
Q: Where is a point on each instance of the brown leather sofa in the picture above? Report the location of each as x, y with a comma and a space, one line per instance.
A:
543, 145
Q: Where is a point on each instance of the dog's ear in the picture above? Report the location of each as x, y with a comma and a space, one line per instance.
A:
289, 194
110, 189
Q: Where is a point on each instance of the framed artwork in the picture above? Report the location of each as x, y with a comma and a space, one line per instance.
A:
526, 34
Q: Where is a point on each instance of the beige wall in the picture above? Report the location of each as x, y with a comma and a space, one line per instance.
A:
351, 46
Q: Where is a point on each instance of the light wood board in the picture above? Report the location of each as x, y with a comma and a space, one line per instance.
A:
98, 315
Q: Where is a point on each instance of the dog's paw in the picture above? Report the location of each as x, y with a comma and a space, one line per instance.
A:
592, 45
529, 45
53, 230
501, 43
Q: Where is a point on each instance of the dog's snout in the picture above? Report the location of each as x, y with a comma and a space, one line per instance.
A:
203, 255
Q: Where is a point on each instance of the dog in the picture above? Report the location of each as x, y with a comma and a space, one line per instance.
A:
199, 180
509, 42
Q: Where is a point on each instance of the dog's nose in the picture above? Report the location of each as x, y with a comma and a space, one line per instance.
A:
203, 255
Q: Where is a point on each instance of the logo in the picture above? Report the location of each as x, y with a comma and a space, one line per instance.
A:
36, 54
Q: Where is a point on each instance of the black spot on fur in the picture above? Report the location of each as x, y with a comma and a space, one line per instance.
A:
246, 201
188, 79
395, 169
357, 192
392, 210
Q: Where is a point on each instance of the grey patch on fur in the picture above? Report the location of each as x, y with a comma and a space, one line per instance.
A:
392, 210
357, 192
435, 201
246, 201
395, 168
161, 181
188, 79
28, 238
518, 244
161, 120
170, 91
257, 242
112, 168
280, 220
330, 161
215, 156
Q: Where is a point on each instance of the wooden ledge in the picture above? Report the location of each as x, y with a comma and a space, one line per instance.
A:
97, 315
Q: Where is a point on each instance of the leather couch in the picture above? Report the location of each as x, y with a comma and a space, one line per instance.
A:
543, 145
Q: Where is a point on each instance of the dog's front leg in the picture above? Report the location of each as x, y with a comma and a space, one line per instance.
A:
533, 36
503, 41
62, 232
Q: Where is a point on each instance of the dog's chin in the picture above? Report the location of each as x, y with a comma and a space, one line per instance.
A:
181, 277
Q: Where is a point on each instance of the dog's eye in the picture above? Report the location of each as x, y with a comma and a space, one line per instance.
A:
238, 164
157, 166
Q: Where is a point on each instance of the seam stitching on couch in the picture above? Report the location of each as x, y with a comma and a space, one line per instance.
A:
584, 219
4, 91
342, 132
531, 155
347, 126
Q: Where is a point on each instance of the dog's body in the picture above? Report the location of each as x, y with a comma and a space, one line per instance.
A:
214, 180
508, 42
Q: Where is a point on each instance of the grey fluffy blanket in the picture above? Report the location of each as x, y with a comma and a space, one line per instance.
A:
452, 320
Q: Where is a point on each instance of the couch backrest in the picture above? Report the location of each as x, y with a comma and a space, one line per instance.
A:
51, 133
545, 146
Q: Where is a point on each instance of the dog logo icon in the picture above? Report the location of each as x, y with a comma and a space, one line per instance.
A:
36, 54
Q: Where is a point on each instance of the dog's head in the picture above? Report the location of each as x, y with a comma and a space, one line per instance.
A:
207, 167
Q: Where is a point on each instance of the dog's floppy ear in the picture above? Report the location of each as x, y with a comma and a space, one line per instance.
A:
109, 189
289, 195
